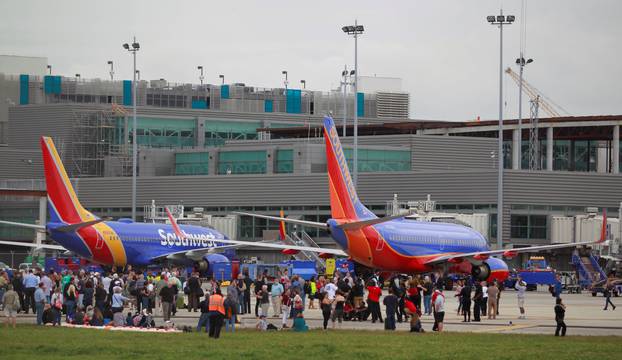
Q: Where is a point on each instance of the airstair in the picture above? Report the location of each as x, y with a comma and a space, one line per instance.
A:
303, 239
588, 269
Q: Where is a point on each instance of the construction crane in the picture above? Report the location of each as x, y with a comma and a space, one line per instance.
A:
545, 104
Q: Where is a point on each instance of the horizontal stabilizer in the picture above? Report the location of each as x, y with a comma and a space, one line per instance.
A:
30, 226
32, 245
78, 226
288, 220
364, 223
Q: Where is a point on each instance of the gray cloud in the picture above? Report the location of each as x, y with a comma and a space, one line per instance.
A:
444, 50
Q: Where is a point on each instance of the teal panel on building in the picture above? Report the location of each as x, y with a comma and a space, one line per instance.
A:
360, 104
199, 104
52, 84
284, 161
195, 163
23, 89
127, 92
268, 106
373, 160
224, 91
242, 162
293, 101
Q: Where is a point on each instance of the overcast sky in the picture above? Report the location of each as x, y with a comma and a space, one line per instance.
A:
446, 53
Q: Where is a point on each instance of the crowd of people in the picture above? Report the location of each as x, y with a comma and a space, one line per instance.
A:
131, 298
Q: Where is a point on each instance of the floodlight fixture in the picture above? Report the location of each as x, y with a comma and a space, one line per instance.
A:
126, 46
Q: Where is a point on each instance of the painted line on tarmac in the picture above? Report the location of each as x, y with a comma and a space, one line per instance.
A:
504, 328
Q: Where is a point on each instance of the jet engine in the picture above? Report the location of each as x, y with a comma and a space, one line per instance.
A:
480, 272
205, 265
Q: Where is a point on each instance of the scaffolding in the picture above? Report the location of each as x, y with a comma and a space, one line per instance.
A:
534, 138
94, 139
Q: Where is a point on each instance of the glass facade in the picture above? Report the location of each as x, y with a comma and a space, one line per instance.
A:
284, 161
528, 226
242, 162
372, 160
191, 163
160, 132
218, 131
577, 155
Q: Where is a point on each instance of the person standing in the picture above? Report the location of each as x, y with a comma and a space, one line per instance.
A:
312, 292
608, 291
427, 294
275, 293
493, 292
40, 299
373, 301
18, 286
11, 305
390, 302
205, 314
217, 313
286, 303
30, 286
167, 296
477, 301
521, 287
194, 292
560, 313
247, 292
483, 306
439, 309
70, 296
48, 286
231, 307
337, 314
326, 305
465, 298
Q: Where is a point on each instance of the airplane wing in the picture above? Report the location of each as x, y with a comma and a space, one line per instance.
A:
32, 245
483, 255
350, 225
198, 253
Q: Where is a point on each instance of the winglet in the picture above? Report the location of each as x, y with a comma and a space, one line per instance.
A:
176, 228
282, 227
603, 230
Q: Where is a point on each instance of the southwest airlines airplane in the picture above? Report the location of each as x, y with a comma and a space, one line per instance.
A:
400, 244
391, 243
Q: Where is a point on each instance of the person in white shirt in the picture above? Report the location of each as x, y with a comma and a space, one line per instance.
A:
48, 287
330, 289
106, 282
484, 303
439, 309
520, 287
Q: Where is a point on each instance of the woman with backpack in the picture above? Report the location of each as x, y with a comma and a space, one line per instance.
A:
57, 304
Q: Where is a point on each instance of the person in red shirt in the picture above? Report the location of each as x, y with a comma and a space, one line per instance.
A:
373, 301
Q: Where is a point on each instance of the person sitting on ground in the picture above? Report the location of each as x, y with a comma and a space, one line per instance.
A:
78, 317
49, 317
300, 324
262, 324
411, 309
129, 320
98, 318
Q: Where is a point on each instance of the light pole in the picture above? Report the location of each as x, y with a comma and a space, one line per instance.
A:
223, 78
201, 76
521, 62
134, 49
50, 69
111, 69
77, 77
284, 72
138, 75
500, 20
303, 83
344, 86
355, 31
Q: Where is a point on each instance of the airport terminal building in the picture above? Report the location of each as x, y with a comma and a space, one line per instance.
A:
233, 147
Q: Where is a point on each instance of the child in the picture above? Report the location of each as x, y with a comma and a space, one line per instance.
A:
560, 313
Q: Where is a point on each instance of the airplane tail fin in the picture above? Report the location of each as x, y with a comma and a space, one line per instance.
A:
603, 229
63, 202
282, 232
344, 202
